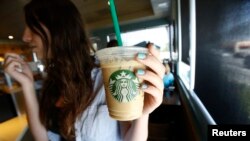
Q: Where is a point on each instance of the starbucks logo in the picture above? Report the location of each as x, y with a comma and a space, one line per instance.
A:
123, 85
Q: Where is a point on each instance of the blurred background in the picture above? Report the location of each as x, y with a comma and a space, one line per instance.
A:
205, 43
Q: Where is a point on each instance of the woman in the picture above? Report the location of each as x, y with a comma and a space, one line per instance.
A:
72, 105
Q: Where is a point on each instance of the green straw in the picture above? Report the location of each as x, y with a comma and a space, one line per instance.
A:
115, 22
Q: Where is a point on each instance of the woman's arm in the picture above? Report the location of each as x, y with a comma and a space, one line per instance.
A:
137, 130
20, 71
32, 109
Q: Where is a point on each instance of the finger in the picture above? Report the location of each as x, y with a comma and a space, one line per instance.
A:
153, 63
10, 59
12, 56
13, 66
153, 51
19, 69
151, 78
154, 92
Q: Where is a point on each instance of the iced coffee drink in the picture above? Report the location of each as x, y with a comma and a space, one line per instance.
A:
122, 87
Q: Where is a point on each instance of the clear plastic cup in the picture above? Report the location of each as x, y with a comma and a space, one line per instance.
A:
124, 97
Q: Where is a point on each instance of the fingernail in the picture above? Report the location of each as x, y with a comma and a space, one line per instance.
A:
144, 86
141, 56
19, 69
140, 72
155, 47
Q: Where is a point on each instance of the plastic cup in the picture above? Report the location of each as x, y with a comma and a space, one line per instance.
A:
124, 97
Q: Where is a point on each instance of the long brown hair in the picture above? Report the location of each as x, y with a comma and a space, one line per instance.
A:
67, 60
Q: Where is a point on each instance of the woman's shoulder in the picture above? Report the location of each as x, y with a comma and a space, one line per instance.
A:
96, 76
96, 73
98, 86
95, 119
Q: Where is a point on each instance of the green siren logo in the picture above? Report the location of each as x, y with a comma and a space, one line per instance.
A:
123, 85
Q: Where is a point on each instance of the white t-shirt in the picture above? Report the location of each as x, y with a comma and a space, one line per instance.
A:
95, 124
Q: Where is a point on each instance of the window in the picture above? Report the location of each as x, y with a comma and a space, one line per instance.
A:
160, 36
222, 72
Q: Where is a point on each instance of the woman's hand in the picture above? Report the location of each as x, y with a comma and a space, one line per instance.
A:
21, 72
153, 78
18, 69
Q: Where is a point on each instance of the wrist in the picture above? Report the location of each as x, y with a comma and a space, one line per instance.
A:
28, 86
144, 117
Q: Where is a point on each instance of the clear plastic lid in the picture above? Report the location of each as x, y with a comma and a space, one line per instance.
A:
124, 51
